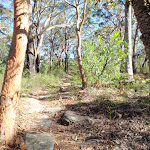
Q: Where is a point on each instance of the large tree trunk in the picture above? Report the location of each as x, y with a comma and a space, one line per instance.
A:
134, 59
12, 79
142, 13
128, 37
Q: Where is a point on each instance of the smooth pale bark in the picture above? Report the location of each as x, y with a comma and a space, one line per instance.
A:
142, 13
128, 38
12, 79
134, 59
78, 32
78, 50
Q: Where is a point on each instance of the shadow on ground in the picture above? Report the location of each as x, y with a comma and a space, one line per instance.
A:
112, 125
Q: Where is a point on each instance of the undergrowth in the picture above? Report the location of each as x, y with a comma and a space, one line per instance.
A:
39, 81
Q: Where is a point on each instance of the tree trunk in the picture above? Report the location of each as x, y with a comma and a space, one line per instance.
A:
38, 63
66, 62
128, 37
12, 79
51, 62
78, 49
142, 13
80, 60
30, 54
134, 59
66, 52
78, 31
30, 46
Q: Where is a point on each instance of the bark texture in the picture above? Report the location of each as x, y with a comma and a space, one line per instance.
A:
142, 13
12, 79
78, 31
31, 54
128, 38
134, 59
31, 61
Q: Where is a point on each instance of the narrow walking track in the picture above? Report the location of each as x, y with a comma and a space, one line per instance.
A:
65, 117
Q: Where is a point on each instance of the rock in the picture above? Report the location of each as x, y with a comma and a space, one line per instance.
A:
69, 117
91, 140
51, 110
39, 141
43, 122
66, 89
33, 105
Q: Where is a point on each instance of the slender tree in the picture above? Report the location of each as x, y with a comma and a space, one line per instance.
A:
128, 38
134, 59
79, 25
12, 79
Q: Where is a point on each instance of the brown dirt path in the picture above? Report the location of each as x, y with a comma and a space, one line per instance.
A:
114, 124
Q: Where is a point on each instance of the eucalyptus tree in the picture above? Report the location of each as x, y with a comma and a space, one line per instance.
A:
79, 24
128, 38
12, 79
44, 19
135, 53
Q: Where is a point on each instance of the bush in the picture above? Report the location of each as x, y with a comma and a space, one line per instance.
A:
103, 58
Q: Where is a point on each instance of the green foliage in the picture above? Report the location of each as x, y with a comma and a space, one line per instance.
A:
2, 71
39, 81
103, 52
74, 70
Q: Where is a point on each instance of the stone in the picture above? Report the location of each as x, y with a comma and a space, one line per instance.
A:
69, 117
39, 141
33, 105
43, 122
51, 110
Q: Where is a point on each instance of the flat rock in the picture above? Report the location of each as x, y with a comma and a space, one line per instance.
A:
51, 110
33, 105
69, 117
43, 122
39, 141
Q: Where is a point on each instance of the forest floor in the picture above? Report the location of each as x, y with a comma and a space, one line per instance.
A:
101, 118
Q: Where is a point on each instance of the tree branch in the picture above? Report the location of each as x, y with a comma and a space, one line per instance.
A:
69, 3
84, 10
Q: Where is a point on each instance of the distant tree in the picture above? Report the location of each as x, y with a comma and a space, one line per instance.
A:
12, 79
43, 18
